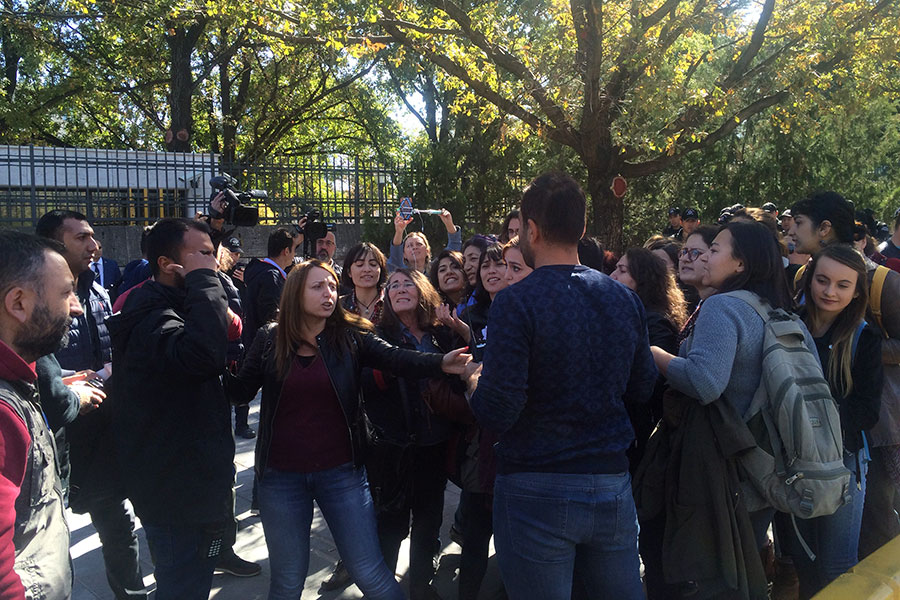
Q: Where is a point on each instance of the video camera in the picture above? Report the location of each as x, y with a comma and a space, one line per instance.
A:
312, 230
236, 212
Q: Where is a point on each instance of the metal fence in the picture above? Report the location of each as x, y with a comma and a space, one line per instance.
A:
118, 187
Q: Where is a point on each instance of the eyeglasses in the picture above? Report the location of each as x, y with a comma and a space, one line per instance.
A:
691, 254
395, 285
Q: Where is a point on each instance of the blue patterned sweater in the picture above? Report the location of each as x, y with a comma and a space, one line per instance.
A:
567, 348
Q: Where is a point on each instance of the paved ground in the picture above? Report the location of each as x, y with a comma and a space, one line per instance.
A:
90, 576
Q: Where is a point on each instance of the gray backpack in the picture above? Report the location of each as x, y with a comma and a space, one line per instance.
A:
797, 466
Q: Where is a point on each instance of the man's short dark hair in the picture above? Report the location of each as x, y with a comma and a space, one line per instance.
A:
829, 206
556, 204
279, 239
24, 256
48, 226
166, 238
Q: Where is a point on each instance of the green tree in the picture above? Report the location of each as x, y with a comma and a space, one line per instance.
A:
634, 87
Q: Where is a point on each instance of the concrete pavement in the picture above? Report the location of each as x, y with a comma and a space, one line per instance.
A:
90, 575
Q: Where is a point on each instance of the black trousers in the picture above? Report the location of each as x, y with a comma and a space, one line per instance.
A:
113, 518
419, 517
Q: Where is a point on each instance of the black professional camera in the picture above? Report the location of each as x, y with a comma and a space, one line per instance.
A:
313, 230
236, 212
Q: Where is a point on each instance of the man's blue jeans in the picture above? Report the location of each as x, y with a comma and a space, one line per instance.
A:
183, 568
546, 525
286, 510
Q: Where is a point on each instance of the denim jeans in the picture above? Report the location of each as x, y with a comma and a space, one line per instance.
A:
547, 525
834, 539
183, 566
286, 510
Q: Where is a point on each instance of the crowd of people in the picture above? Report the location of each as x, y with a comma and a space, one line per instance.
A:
595, 410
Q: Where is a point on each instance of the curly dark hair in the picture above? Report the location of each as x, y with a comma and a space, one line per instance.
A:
655, 285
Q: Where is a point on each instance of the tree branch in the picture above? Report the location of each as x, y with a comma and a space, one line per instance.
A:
663, 161
504, 59
484, 90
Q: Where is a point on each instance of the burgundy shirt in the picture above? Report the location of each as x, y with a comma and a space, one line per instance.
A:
309, 432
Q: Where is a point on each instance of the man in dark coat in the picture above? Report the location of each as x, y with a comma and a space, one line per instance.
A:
264, 280
172, 423
106, 272
94, 486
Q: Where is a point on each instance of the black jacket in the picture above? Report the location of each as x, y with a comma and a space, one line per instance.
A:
88, 443
260, 297
689, 474
344, 359
172, 422
386, 396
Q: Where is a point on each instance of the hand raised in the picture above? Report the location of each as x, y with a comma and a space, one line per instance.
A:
400, 223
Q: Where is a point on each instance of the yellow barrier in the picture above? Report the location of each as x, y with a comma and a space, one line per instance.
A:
876, 578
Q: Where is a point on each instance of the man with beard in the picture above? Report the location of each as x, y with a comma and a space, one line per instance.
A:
37, 302
172, 422
95, 485
562, 495
325, 249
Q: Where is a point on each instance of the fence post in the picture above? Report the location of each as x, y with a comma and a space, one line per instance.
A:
33, 199
356, 190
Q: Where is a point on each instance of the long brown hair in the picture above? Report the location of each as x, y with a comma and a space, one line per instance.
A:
429, 299
291, 315
840, 361
656, 285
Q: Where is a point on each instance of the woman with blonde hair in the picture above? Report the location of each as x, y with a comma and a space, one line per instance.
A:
836, 295
312, 428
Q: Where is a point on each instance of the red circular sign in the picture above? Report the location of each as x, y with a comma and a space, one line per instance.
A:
618, 187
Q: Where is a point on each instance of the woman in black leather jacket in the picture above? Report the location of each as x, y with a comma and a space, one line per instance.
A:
312, 430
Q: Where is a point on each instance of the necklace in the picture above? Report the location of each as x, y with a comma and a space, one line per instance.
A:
367, 308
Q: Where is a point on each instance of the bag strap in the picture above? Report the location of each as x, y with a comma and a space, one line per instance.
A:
859, 330
875, 290
798, 276
761, 307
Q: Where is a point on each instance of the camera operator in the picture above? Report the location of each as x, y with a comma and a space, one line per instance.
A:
264, 280
172, 422
325, 249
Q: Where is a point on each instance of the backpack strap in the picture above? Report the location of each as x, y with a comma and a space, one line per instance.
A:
798, 276
758, 304
875, 290
859, 330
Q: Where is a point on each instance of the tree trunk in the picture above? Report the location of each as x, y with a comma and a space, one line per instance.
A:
607, 212
182, 42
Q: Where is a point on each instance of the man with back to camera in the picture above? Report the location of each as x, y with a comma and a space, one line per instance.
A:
563, 428
264, 279
172, 423
95, 485
37, 303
